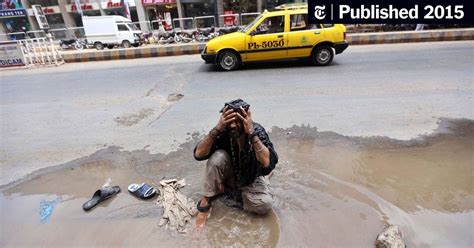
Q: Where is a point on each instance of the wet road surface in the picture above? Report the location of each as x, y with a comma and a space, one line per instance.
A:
330, 190
114, 120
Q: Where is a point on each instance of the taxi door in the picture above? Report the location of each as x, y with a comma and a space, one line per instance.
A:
302, 35
268, 40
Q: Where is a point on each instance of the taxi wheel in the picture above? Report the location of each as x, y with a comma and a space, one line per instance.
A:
322, 55
228, 61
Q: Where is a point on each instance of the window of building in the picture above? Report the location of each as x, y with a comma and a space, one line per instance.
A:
55, 21
270, 25
44, 2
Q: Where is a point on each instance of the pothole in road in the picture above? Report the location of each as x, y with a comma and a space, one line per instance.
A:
132, 119
175, 97
325, 184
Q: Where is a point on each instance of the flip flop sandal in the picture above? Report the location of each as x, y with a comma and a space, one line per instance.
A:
100, 196
204, 209
142, 191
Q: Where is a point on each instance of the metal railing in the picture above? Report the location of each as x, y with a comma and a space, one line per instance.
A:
204, 21
40, 51
143, 26
17, 36
60, 33
4, 37
36, 34
181, 24
228, 20
78, 32
246, 18
160, 24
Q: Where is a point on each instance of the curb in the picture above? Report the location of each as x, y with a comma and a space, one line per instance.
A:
185, 49
133, 53
411, 36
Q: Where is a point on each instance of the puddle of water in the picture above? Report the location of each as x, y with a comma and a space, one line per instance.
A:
134, 221
330, 190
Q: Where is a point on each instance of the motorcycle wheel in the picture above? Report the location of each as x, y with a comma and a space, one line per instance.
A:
200, 38
78, 46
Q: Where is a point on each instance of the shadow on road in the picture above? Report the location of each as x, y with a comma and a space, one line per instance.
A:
272, 64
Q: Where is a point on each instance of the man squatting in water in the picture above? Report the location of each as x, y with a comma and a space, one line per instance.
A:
239, 154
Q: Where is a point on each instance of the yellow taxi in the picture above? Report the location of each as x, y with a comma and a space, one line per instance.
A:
283, 33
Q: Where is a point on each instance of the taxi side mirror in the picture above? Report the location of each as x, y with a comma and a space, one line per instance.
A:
253, 33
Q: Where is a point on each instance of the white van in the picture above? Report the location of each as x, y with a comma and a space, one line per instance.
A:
110, 31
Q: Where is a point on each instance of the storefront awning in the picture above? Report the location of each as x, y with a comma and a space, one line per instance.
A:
152, 2
196, 1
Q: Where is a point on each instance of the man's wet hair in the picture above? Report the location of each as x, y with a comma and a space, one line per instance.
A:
236, 104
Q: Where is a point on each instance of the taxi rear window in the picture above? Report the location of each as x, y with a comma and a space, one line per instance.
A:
299, 22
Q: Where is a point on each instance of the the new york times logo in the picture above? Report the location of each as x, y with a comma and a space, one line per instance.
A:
319, 12
398, 11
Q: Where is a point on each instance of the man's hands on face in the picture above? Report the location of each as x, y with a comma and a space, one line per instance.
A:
246, 118
227, 116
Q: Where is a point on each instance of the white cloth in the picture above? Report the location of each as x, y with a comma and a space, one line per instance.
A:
177, 208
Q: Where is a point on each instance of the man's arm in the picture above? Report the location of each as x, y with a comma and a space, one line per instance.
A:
261, 151
204, 147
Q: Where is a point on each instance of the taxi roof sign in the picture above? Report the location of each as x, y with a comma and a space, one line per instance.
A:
291, 6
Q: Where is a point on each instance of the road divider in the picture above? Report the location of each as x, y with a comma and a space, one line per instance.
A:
411, 36
195, 48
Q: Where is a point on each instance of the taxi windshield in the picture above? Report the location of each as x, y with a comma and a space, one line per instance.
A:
246, 28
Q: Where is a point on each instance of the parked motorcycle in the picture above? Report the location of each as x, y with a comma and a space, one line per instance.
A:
228, 30
206, 34
185, 36
73, 44
165, 37
147, 37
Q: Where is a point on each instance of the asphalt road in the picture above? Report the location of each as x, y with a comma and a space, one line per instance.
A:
51, 116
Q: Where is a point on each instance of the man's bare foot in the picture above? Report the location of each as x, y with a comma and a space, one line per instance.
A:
202, 216
201, 219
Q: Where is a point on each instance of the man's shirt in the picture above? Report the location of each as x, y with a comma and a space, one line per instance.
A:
244, 161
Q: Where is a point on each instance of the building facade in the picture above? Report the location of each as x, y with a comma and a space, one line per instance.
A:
17, 16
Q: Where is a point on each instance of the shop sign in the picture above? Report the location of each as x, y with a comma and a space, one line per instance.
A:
12, 13
148, 2
164, 1
46, 10
112, 4
51, 10
84, 7
229, 20
11, 55
40, 17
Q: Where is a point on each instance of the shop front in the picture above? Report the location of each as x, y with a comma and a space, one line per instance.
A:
194, 8
160, 13
14, 20
53, 16
88, 9
117, 7
52, 12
